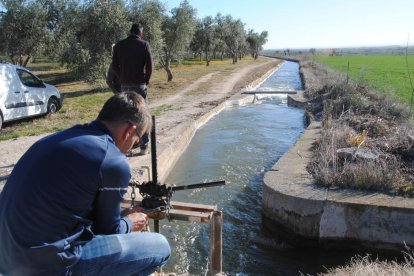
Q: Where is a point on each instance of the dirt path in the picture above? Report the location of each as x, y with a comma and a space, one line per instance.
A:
185, 106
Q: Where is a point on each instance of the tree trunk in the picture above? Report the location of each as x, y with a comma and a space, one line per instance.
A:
207, 59
13, 60
169, 73
165, 63
200, 54
234, 58
20, 60
26, 60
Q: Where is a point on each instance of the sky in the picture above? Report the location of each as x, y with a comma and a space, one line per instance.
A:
304, 24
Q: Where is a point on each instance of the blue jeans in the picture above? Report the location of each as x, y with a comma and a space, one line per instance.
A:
137, 88
137, 253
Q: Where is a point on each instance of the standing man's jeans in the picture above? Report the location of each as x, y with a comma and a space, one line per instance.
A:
138, 88
142, 90
137, 253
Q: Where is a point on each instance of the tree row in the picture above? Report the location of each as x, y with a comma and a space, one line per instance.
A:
80, 34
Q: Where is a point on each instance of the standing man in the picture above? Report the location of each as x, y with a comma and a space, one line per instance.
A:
132, 62
60, 208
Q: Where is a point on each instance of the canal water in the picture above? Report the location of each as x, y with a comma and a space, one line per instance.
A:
239, 145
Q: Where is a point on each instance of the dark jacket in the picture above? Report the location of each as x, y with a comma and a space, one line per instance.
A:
65, 186
132, 61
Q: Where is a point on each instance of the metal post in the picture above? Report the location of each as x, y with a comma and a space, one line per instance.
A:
156, 225
216, 243
347, 74
154, 165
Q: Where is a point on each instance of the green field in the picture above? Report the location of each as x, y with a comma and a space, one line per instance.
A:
387, 74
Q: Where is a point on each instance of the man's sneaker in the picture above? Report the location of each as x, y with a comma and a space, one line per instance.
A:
136, 145
143, 151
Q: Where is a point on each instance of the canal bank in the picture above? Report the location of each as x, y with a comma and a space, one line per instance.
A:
311, 215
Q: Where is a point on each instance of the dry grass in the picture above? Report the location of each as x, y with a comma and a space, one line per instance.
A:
365, 266
356, 118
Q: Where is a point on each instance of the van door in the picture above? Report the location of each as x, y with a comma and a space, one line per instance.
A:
11, 94
34, 92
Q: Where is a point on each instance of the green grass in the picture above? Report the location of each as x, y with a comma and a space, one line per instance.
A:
161, 109
387, 74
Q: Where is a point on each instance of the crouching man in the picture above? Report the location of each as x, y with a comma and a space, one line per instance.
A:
60, 208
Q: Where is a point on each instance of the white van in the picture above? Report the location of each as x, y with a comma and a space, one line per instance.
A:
22, 94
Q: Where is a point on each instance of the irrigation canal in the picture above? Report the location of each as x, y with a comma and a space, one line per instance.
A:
239, 145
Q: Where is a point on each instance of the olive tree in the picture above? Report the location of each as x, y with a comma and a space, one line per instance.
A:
24, 29
203, 39
218, 45
232, 33
178, 30
243, 46
196, 45
91, 30
256, 42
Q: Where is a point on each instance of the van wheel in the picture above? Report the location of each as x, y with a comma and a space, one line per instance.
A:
52, 106
1, 120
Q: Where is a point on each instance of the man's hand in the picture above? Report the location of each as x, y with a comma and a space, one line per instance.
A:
139, 221
133, 209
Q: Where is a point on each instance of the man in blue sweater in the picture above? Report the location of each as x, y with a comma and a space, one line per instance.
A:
60, 208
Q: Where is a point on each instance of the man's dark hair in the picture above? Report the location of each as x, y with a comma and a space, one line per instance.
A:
127, 107
136, 29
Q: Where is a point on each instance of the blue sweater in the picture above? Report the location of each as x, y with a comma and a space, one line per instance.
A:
66, 186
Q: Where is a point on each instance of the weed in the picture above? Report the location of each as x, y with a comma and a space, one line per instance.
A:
161, 109
365, 266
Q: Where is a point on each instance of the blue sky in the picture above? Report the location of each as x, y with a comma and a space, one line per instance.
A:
318, 23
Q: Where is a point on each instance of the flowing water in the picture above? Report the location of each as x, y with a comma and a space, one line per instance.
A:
239, 145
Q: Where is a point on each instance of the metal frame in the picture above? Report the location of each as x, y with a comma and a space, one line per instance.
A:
200, 213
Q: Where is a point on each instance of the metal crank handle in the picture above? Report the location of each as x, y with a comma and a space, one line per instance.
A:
154, 210
134, 209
